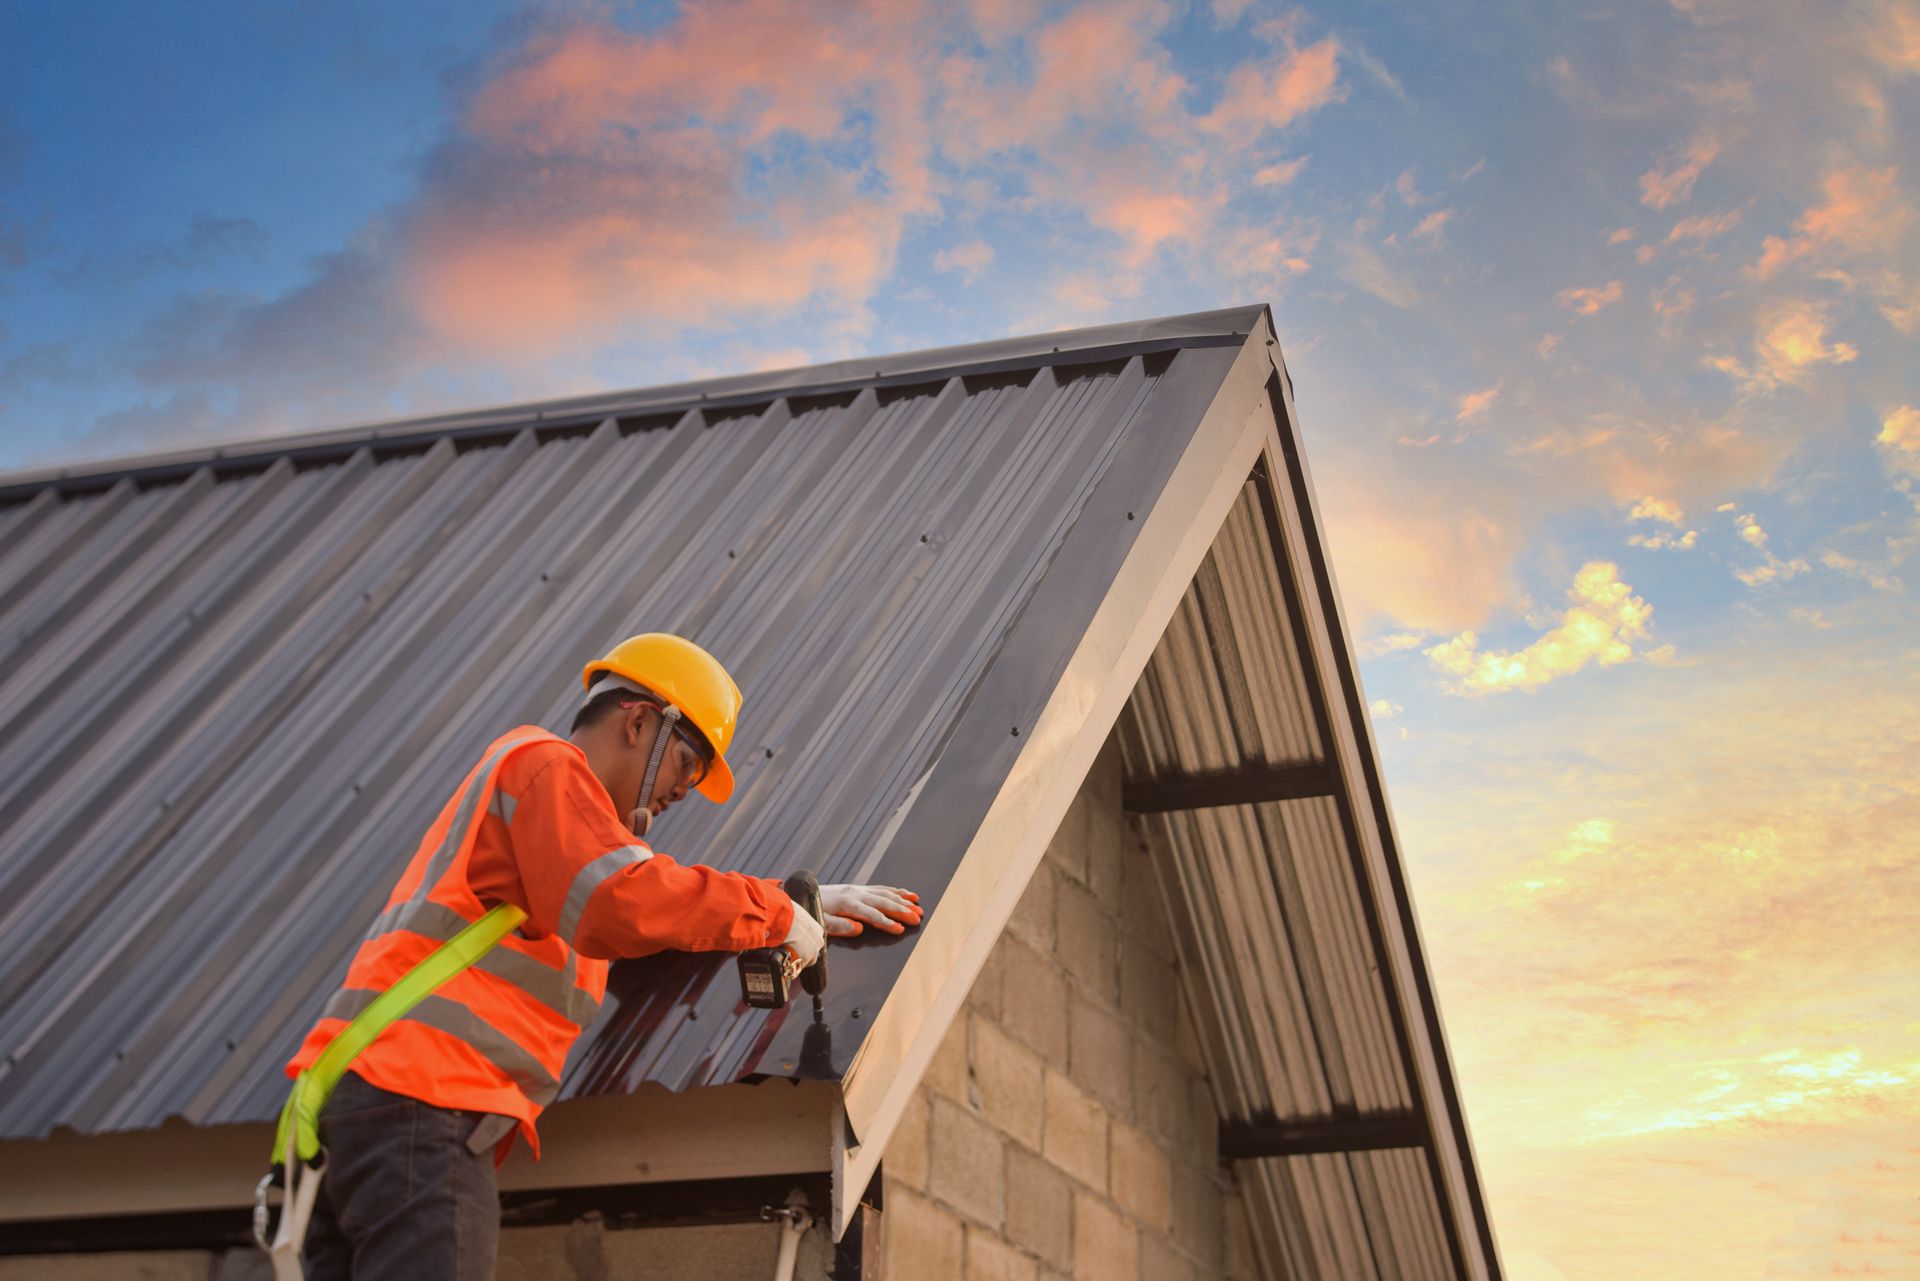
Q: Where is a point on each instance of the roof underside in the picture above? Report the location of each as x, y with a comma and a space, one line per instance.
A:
1230, 774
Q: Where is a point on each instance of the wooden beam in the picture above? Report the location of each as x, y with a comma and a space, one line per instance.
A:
1327, 1134
1247, 785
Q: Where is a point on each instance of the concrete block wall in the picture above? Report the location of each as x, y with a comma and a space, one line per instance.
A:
1066, 1128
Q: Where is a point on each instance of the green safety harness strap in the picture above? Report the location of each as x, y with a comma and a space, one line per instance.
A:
300, 1118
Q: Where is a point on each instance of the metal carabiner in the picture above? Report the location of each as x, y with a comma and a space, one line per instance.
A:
262, 1214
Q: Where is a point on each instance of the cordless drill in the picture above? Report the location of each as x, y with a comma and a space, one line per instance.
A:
766, 973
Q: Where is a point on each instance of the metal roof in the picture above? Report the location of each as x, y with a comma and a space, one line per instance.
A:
237, 682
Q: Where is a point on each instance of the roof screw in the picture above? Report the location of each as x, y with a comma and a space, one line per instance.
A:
731, 554
543, 578
856, 1011
923, 538
769, 753
1129, 515
1016, 731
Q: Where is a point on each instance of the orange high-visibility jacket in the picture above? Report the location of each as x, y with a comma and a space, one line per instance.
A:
532, 826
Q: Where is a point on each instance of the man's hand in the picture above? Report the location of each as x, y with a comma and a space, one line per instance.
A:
850, 909
805, 937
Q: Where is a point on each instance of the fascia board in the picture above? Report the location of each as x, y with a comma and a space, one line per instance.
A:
1056, 754
650, 1136
1361, 777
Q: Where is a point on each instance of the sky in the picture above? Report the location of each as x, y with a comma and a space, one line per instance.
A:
1601, 320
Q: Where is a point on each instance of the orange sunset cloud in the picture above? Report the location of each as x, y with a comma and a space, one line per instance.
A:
1600, 626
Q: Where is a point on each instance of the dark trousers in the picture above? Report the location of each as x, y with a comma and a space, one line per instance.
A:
404, 1199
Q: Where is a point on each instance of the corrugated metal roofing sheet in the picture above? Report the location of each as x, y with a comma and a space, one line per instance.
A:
235, 692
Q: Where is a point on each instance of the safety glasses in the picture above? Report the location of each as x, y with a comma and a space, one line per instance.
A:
696, 757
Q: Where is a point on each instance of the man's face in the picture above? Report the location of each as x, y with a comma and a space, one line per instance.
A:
681, 769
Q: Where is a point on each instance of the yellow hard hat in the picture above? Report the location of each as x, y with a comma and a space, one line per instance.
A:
690, 679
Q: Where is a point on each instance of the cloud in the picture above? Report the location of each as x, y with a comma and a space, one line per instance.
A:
1379, 71
1791, 344
1874, 576
969, 258
1381, 709
1660, 509
1620, 235
1894, 36
1665, 542
1899, 441
1862, 213
1599, 626
1475, 403
1363, 266
1280, 173
1773, 569
1662, 187
1586, 301
1392, 643
1704, 227
1411, 554
1280, 91
1900, 430
634, 199
1430, 226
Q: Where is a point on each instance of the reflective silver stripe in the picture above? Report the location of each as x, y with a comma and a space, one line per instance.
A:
553, 988
456, 835
589, 878
504, 805
458, 1021
463, 819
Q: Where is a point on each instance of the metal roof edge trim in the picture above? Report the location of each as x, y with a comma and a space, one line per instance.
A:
1447, 1120
1225, 325
1078, 714
783, 1129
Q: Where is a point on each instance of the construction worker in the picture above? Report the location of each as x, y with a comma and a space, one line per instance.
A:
426, 1113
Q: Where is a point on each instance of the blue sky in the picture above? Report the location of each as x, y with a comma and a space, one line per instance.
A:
1601, 319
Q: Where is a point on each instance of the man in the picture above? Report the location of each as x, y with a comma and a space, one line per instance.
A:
415, 1130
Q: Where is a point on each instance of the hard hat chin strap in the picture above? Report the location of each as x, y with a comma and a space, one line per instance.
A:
669, 715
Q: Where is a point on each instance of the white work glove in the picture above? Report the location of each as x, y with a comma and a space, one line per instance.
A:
850, 909
805, 937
